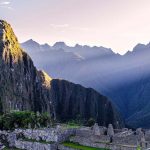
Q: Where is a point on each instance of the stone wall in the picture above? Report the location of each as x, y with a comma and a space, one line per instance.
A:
51, 138
34, 145
48, 134
112, 146
38, 139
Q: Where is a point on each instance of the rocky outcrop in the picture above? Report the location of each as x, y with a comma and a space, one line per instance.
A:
17, 73
23, 87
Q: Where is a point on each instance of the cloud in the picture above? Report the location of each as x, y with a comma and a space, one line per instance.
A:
59, 25
68, 27
7, 7
4, 3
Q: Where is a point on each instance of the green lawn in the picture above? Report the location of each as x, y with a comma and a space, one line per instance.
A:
71, 126
80, 147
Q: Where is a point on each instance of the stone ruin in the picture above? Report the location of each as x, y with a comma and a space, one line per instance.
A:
115, 139
96, 136
96, 129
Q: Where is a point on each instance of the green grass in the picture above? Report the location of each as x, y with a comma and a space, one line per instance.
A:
71, 125
81, 147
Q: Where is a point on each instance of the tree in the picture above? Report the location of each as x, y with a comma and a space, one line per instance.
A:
90, 122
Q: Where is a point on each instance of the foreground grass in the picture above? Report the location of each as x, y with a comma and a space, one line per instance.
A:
71, 126
80, 147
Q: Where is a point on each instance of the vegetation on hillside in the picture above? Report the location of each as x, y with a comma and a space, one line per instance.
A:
76, 123
23, 119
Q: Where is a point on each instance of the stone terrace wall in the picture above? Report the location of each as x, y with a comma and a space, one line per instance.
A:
49, 135
34, 145
88, 142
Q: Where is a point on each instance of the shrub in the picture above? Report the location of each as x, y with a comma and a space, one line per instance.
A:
22, 119
90, 122
138, 148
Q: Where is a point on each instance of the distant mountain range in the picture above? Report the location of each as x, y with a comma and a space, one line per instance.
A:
23, 87
124, 79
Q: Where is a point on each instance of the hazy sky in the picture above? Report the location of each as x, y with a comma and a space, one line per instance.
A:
119, 24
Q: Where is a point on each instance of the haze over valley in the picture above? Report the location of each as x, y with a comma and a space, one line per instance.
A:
122, 78
87, 87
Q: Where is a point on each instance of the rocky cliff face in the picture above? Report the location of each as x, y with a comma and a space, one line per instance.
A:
73, 101
22, 87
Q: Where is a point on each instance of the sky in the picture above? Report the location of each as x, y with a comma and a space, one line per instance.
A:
116, 24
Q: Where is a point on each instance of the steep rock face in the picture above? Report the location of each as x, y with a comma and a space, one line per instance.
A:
22, 87
72, 101
123, 79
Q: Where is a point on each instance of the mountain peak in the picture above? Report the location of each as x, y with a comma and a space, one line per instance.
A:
139, 46
8, 40
59, 45
78, 46
7, 32
31, 41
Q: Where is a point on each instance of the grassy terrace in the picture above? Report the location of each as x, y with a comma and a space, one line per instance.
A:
71, 126
81, 147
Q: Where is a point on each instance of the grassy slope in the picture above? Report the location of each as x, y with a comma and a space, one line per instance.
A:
80, 147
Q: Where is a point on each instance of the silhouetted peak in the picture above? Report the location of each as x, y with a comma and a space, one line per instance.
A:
139, 47
31, 41
59, 45
127, 53
8, 39
78, 46
46, 46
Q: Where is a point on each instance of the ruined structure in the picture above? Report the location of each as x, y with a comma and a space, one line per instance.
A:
52, 138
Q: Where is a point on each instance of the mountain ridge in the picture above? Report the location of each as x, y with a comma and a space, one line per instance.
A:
23, 87
115, 76
63, 45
